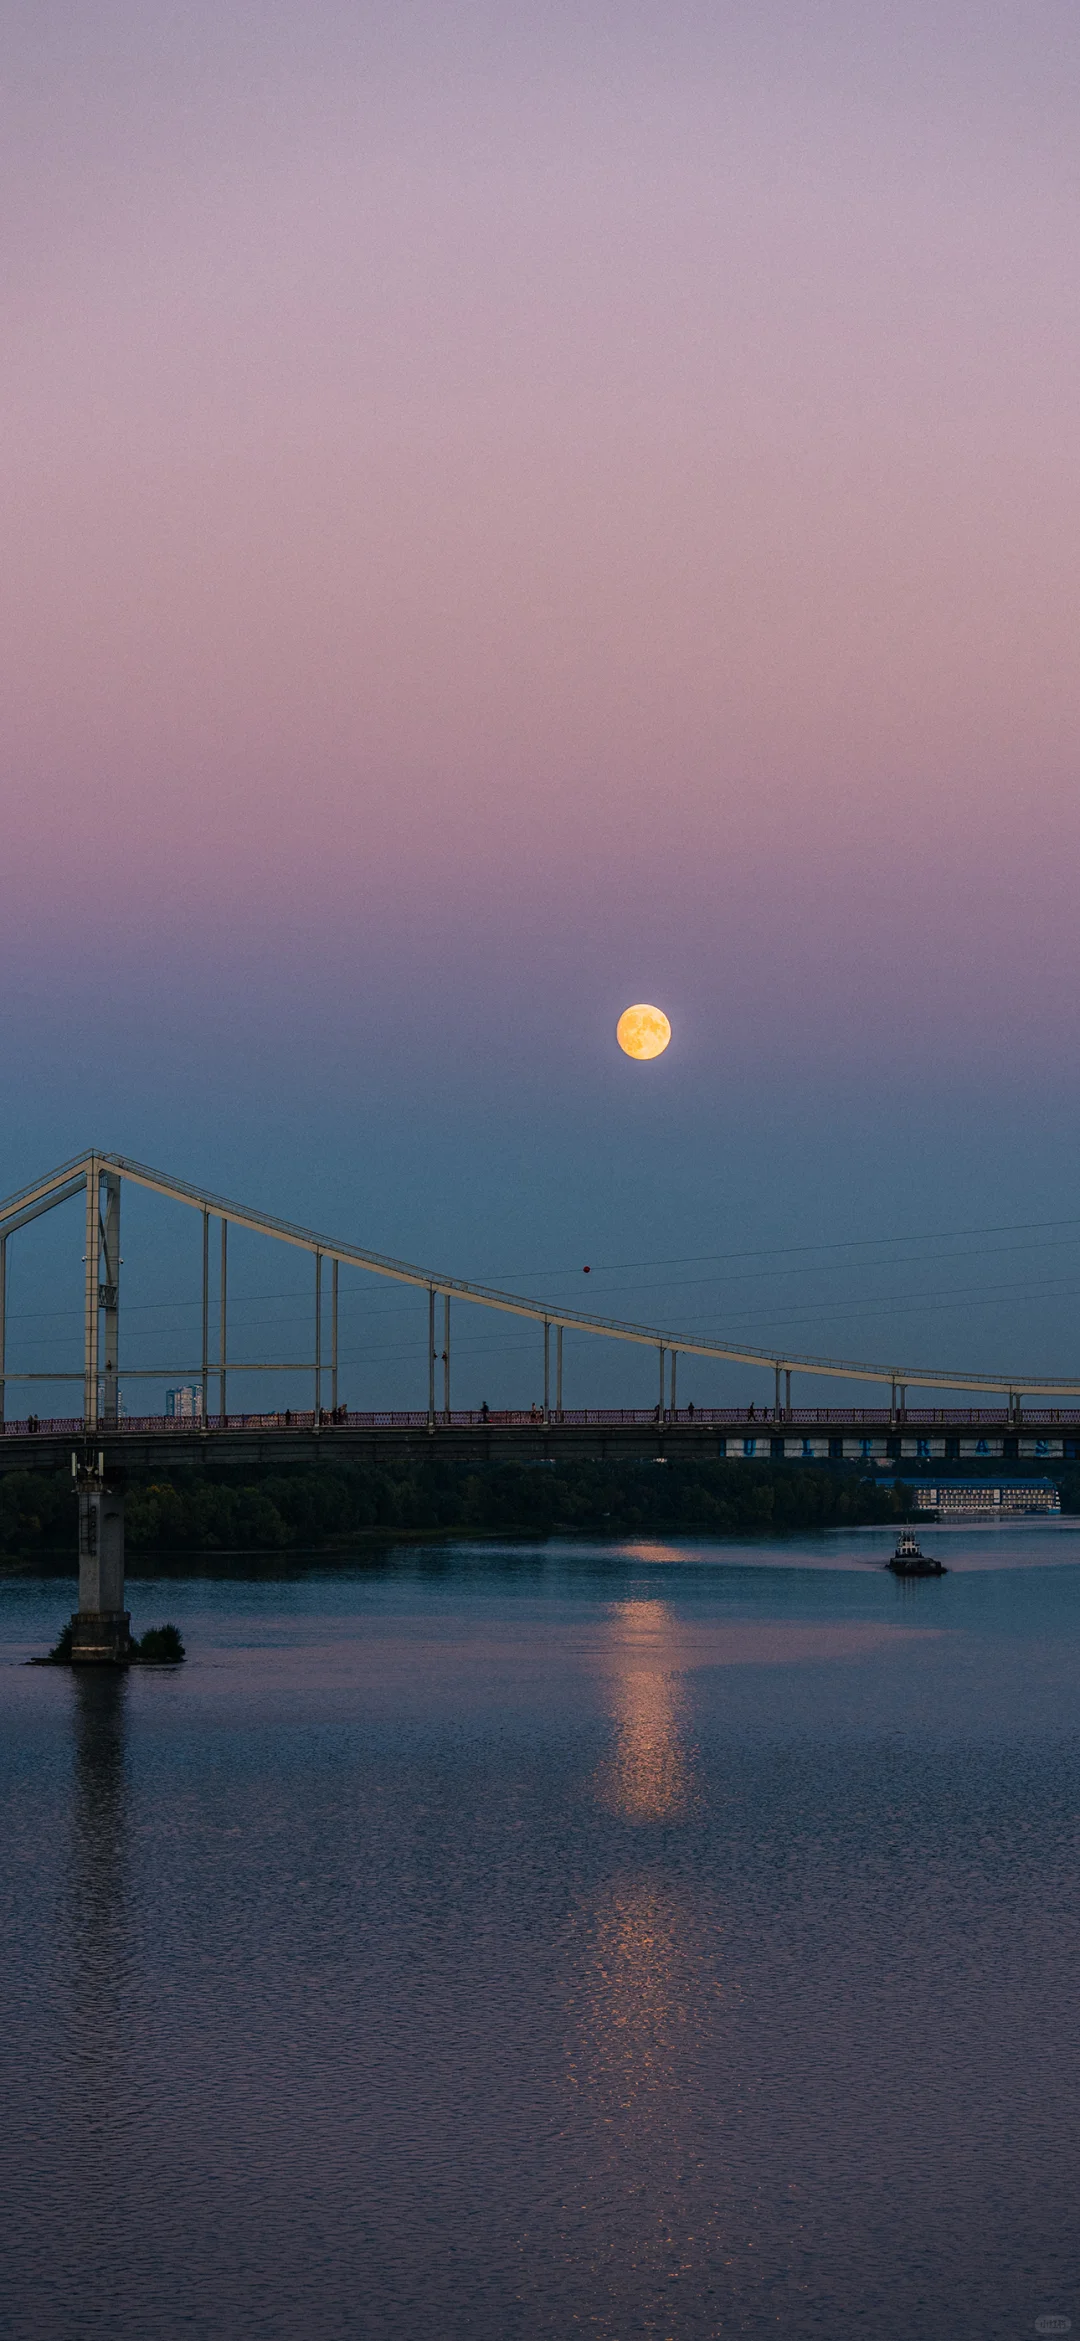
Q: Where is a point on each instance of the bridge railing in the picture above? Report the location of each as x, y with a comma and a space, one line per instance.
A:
761, 1421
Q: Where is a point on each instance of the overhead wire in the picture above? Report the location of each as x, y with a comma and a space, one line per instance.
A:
873, 1306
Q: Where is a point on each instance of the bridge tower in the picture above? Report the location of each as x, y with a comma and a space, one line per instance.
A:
101, 1404
101, 1628
109, 1294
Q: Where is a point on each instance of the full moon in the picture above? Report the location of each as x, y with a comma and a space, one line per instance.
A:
643, 1031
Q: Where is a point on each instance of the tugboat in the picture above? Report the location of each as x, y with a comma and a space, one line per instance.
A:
909, 1559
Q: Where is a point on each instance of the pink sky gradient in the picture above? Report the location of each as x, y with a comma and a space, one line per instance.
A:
456, 479
561, 508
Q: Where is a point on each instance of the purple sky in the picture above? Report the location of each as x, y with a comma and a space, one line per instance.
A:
515, 511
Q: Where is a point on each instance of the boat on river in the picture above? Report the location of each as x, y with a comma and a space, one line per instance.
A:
909, 1559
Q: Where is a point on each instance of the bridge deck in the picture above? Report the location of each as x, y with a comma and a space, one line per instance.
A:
267, 1441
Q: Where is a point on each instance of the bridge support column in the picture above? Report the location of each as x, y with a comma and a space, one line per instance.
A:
787, 1393
446, 1357
101, 1628
109, 1295
663, 1383
92, 1294
223, 1392
431, 1359
547, 1371
776, 1396
558, 1373
205, 1314
318, 1338
674, 1402
333, 1336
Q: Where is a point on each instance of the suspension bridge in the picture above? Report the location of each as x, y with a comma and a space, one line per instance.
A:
919, 1412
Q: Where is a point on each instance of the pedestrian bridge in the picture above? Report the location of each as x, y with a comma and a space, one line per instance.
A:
1016, 1414
807, 1434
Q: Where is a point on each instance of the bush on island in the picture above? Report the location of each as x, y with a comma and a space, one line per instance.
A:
160, 1646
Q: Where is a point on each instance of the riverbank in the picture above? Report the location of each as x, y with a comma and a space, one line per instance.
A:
327, 1509
332, 1509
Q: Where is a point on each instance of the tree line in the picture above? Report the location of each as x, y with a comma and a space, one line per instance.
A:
325, 1508
298, 1509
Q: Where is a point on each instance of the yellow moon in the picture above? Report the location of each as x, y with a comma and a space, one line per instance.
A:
643, 1031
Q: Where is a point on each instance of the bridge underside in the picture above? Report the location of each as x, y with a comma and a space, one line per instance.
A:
826, 1434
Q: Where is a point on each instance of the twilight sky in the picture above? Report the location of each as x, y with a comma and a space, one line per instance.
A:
510, 511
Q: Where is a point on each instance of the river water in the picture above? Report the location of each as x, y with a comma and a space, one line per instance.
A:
488, 1942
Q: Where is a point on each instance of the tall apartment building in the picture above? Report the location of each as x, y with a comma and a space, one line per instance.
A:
184, 1404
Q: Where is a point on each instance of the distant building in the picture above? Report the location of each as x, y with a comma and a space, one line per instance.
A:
184, 1404
982, 1497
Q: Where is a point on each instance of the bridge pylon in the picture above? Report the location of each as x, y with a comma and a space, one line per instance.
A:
101, 1627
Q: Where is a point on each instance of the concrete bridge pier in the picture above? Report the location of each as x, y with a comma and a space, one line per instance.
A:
101, 1629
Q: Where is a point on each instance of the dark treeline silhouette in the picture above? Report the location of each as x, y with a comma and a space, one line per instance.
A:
302, 1509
